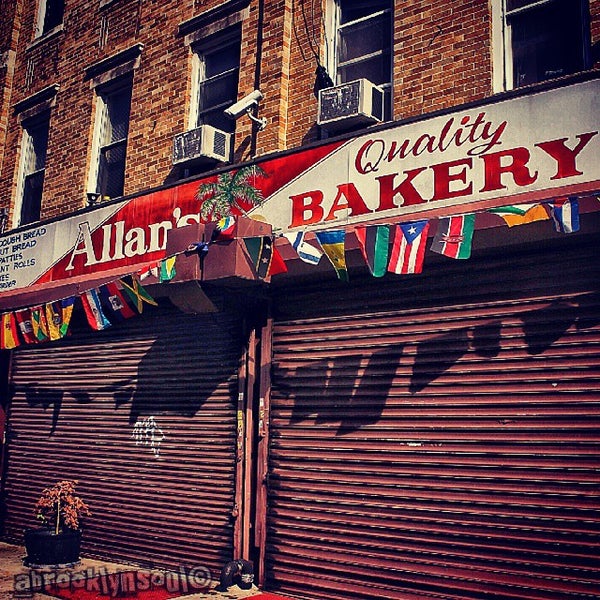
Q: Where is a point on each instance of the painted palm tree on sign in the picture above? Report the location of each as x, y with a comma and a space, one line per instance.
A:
231, 191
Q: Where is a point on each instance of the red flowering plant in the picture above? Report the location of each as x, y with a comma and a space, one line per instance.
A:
60, 507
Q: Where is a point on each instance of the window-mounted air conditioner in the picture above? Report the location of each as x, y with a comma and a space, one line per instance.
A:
354, 103
205, 143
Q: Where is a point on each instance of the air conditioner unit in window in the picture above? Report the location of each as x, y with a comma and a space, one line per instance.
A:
354, 103
205, 143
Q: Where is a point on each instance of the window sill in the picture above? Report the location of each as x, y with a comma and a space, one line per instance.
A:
106, 4
42, 39
553, 82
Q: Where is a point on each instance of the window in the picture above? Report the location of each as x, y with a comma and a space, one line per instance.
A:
217, 68
35, 145
51, 14
544, 39
114, 104
363, 43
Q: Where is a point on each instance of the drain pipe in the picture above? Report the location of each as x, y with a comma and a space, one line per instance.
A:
258, 69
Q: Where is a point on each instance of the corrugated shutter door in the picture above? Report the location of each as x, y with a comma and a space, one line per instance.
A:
74, 413
438, 436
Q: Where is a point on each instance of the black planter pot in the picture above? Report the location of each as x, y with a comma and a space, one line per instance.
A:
46, 548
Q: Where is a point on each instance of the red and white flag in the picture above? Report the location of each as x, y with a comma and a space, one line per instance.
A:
408, 247
454, 236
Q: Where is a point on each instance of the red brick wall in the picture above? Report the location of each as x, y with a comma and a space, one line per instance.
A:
302, 110
442, 58
9, 36
595, 31
443, 55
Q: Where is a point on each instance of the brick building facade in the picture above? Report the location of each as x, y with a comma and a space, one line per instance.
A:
442, 58
429, 436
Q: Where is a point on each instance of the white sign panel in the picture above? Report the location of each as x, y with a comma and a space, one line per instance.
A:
527, 148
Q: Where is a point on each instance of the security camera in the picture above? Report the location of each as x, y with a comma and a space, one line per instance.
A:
244, 105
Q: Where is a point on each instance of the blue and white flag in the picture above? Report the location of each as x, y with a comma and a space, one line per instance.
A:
93, 310
565, 214
306, 252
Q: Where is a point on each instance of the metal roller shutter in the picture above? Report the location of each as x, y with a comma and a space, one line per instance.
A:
437, 436
73, 415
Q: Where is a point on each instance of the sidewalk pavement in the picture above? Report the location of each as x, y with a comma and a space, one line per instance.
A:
13, 573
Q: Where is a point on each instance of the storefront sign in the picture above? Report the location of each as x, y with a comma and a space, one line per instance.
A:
512, 151
519, 150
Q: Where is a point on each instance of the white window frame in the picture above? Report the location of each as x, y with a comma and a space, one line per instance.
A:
25, 161
41, 17
198, 69
501, 54
228, 17
29, 111
98, 141
502, 58
101, 75
332, 26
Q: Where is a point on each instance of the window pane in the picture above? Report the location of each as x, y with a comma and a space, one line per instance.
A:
219, 91
350, 10
218, 84
547, 42
375, 69
364, 45
218, 119
364, 37
111, 176
113, 138
53, 15
38, 134
119, 105
35, 148
32, 198
227, 58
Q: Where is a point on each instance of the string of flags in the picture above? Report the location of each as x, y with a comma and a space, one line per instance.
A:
397, 248
400, 247
124, 298
104, 306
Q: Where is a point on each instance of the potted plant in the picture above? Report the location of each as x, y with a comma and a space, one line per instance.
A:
61, 511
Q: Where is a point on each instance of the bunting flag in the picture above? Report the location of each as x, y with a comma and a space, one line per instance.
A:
167, 269
23, 317
519, 214
277, 263
224, 230
565, 214
306, 252
39, 323
53, 319
152, 270
374, 244
408, 247
9, 337
333, 244
260, 250
67, 305
58, 317
114, 303
454, 236
138, 294
93, 310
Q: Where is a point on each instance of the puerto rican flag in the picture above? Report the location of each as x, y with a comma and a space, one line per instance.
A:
408, 247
